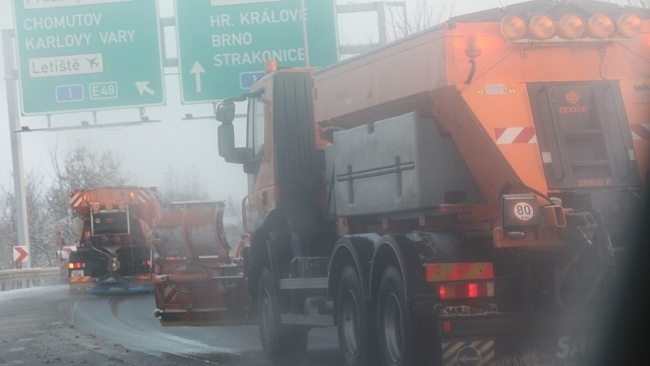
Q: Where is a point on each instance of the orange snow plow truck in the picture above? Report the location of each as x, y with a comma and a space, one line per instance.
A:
464, 196
113, 226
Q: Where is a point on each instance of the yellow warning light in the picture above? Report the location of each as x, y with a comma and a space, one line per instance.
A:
95, 206
480, 91
270, 66
132, 195
109, 206
601, 25
513, 27
542, 26
572, 26
122, 205
629, 25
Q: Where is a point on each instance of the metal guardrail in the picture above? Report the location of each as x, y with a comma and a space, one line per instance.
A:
24, 278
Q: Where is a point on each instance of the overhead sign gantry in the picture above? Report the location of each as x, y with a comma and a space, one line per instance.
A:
81, 55
223, 44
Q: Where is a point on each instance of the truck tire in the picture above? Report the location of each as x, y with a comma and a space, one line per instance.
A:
354, 321
394, 323
278, 341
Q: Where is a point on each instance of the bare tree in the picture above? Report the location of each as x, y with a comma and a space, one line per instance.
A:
80, 167
423, 14
183, 185
637, 3
7, 231
42, 232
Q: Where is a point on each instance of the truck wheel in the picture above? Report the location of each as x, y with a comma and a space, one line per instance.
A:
353, 321
278, 341
394, 320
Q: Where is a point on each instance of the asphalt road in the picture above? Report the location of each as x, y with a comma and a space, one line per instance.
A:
49, 326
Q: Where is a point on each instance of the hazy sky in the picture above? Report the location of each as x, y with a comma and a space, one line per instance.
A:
148, 149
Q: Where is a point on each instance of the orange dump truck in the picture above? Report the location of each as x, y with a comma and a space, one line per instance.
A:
114, 226
464, 196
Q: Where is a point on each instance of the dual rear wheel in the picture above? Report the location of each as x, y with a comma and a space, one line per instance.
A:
354, 321
366, 337
385, 338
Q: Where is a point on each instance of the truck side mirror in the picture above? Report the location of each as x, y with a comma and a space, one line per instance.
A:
226, 142
226, 112
77, 226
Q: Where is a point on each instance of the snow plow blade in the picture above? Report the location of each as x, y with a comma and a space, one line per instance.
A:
196, 281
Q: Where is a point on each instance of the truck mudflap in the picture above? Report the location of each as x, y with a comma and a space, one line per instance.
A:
519, 340
196, 281
80, 283
129, 284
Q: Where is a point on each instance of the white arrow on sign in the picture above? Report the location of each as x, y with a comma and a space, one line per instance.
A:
465, 359
197, 70
143, 87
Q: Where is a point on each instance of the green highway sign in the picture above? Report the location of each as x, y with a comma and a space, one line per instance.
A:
83, 55
223, 44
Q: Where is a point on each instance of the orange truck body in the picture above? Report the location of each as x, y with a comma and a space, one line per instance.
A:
455, 197
379, 86
112, 250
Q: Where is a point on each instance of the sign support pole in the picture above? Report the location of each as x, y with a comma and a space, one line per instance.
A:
305, 41
16, 145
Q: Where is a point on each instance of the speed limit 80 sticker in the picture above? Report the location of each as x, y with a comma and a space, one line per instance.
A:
523, 211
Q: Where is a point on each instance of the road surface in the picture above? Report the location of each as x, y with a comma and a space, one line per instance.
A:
43, 326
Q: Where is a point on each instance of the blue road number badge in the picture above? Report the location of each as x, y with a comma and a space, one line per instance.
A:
69, 93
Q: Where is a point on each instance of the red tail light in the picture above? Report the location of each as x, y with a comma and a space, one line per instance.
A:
473, 290
76, 265
442, 291
446, 326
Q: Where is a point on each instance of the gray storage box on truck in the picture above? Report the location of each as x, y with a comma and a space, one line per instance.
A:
398, 164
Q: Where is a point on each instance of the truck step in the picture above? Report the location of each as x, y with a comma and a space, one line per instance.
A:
303, 283
301, 319
227, 277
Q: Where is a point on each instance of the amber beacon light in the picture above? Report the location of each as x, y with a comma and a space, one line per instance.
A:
629, 25
513, 27
542, 26
601, 25
572, 26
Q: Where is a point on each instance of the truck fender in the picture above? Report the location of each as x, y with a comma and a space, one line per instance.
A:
259, 249
390, 251
352, 249
409, 252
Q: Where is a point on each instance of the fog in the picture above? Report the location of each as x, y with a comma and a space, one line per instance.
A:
147, 150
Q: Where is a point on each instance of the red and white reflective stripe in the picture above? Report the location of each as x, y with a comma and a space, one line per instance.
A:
144, 195
80, 279
170, 294
76, 199
459, 271
640, 131
515, 135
